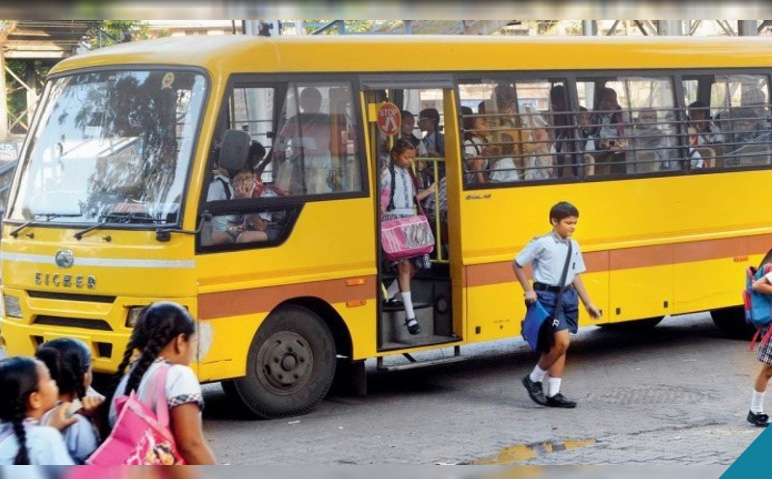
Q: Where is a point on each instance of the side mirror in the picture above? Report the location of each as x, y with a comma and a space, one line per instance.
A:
234, 149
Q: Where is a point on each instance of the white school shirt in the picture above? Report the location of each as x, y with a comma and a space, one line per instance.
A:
182, 387
217, 193
547, 253
45, 445
403, 191
81, 438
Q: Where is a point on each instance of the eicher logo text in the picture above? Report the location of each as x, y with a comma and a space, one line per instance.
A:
60, 280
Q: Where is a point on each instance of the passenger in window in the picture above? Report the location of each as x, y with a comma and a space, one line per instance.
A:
611, 142
309, 136
504, 169
539, 164
586, 137
408, 128
561, 131
397, 200
695, 157
253, 227
215, 231
505, 99
476, 149
707, 130
433, 140
651, 147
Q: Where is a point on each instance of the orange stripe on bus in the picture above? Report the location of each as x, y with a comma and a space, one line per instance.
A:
638, 257
261, 300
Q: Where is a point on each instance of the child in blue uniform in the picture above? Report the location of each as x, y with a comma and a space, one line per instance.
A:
547, 255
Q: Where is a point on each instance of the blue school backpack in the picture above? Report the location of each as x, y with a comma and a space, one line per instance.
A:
757, 306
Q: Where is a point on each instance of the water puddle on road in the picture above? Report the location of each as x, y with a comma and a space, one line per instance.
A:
525, 452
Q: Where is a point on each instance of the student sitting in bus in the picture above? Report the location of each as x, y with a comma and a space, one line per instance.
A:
253, 227
539, 164
611, 139
476, 149
504, 169
696, 160
215, 232
433, 141
707, 130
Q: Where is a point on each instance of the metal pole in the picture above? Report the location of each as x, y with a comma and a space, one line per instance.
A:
3, 96
589, 28
748, 28
670, 28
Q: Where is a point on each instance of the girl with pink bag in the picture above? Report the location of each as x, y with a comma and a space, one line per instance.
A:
165, 337
399, 196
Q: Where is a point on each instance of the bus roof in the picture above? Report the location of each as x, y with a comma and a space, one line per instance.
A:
385, 53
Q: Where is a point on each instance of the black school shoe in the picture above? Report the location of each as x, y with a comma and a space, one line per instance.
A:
412, 326
535, 391
558, 400
758, 419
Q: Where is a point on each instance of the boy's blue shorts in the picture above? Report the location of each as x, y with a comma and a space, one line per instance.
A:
568, 316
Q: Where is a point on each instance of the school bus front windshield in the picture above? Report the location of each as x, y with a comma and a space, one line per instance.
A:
111, 147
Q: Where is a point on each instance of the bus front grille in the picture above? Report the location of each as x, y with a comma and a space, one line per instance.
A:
71, 297
96, 324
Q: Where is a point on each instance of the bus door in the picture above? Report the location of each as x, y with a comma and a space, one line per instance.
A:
424, 106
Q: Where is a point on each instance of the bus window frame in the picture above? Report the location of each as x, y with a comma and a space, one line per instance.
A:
280, 84
119, 67
571, 77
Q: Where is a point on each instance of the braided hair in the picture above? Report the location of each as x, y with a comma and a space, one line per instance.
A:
68, 360
18, 380
158, 325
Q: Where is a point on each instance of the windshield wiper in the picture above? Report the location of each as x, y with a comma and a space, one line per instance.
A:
142, 218
49, 217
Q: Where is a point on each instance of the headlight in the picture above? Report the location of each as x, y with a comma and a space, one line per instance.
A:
132, 318
12, 306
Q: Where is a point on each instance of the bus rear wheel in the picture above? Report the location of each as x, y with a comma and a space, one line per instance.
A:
731, 322
290, 365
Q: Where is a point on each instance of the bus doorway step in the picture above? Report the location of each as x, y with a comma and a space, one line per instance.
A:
414, 363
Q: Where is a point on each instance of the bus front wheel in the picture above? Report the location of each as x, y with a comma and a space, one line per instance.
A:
290, 366
731, 322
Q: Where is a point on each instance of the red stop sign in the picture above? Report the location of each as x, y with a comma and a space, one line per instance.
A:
389, 119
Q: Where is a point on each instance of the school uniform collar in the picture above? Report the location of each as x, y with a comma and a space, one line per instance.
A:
556, 237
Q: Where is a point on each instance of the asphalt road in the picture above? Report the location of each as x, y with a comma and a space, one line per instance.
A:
677, 394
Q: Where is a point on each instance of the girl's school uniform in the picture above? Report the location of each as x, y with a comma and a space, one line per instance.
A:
45, 445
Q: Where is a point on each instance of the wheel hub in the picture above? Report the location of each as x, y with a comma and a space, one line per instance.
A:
285, 362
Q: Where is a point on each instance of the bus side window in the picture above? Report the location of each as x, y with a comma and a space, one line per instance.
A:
315, 151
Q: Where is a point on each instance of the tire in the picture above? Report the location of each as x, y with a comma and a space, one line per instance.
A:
731, 322
636, 326
290, 365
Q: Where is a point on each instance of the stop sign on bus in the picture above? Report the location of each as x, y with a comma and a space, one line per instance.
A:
389, 119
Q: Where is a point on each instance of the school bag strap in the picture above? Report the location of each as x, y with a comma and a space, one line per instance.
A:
225, 187
563, 277
393, 183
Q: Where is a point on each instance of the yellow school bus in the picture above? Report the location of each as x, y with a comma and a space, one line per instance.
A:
128, 192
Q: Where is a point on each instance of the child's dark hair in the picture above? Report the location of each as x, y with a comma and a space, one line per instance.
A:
400, 146
158, 325
18, 380
563, 210
68, 360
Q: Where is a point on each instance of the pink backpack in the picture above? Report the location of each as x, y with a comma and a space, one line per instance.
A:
139, 437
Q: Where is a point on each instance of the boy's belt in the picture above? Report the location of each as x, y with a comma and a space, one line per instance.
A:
546, 287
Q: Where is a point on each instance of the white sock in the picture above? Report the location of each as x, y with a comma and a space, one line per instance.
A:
537, 375
406, 298
757, 402
392, 290
553, 386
